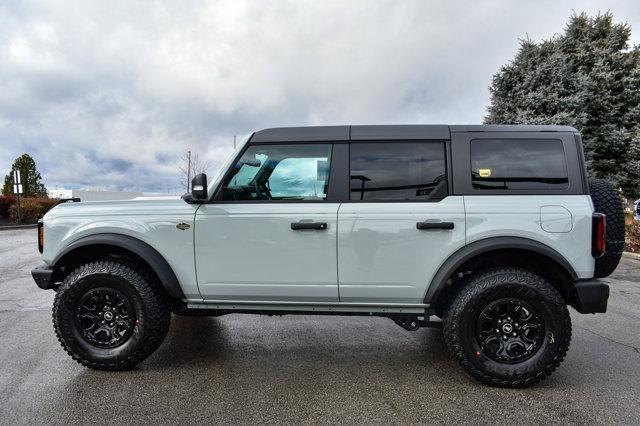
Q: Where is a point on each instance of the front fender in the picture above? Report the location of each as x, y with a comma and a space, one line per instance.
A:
147, 253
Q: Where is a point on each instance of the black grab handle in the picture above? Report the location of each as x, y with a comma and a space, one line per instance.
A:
434, 225
296, 226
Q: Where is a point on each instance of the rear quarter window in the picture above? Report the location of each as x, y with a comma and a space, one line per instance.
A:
517, 164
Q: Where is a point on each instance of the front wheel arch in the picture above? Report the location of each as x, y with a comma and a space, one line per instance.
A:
98, 246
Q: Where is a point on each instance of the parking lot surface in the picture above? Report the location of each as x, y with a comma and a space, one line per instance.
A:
303, 369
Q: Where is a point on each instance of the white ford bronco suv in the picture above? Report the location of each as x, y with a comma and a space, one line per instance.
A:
487, 231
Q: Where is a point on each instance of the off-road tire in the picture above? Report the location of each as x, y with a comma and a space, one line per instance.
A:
607, 200
151, 313
461, 316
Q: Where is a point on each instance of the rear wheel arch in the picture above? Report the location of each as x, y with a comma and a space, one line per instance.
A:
501, 251
97, 246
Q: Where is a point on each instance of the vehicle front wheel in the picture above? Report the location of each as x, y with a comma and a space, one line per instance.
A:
508, 327
110, 315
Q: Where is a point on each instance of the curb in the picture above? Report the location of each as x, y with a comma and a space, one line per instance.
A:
12, 227
631, 255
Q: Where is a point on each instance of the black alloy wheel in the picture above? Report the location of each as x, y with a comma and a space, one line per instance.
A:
105, 317
510, 330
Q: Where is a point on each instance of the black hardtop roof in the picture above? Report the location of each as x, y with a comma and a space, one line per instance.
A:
384, 132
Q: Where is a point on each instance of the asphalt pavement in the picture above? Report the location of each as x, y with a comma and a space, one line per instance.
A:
303, 369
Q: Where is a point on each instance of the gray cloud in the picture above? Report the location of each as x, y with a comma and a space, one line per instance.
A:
109, 95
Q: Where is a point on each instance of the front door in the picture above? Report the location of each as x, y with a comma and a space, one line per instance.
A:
272, 236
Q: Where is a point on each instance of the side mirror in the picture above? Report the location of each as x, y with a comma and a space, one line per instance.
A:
199, 187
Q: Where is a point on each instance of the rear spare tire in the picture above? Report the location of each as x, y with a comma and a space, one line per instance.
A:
607, 200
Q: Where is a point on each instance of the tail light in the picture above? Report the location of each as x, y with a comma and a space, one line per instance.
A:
40, 235
598, 234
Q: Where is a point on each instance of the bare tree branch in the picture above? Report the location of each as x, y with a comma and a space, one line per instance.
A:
197, 166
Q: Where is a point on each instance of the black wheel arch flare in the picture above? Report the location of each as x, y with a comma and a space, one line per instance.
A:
477, 248
148, 254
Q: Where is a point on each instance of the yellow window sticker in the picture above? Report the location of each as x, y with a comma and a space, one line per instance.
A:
485, 172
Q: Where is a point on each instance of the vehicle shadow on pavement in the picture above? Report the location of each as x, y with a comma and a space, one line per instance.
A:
191, 340
250, 368
298, 344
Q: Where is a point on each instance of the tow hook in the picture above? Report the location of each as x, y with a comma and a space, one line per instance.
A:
408, 323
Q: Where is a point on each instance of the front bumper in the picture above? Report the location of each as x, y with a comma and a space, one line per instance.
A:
592, 296
43, 276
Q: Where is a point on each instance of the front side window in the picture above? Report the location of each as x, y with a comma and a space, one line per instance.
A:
280, 172
503, 164
401, 171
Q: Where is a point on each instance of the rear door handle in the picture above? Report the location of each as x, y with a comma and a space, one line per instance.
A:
297, 226
434, 225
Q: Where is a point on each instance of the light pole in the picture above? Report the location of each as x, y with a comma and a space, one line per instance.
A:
188, 170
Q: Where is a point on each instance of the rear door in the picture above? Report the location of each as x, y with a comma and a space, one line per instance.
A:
272, 234
400, 222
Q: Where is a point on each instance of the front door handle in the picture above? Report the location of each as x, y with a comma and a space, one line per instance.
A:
297, 226
434, 225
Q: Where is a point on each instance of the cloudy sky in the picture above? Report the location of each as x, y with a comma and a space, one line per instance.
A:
108, 94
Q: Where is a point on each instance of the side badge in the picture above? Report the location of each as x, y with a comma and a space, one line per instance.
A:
183, 226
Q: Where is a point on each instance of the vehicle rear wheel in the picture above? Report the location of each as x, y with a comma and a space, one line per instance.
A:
508, 327
110, 315
607, 200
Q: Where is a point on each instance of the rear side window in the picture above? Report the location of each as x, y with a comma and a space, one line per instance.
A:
401, 171
518, 164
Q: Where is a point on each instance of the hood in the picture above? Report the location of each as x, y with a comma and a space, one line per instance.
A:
139, 205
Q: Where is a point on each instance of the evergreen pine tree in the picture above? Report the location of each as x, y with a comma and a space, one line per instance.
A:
29, 175
587, 77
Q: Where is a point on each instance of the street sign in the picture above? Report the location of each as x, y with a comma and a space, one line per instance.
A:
17, 189
17, 183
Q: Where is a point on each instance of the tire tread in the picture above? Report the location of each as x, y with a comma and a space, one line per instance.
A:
607, 200
484, 282
156, 302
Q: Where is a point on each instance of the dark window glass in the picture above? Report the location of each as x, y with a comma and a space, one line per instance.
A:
518, 164
280, 172
398, 171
